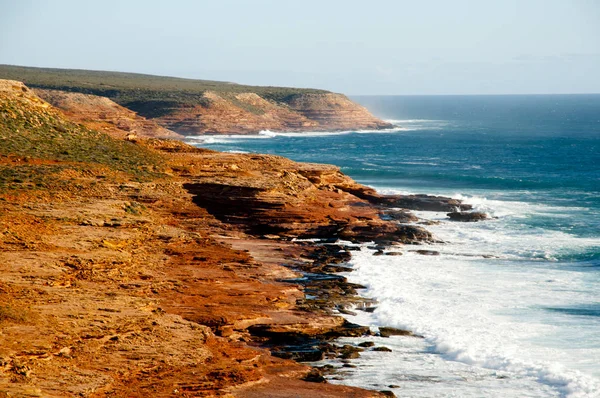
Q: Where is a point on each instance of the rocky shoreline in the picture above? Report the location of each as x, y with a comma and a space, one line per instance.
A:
142, 266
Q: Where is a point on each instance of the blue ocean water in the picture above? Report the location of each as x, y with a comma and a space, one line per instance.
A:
511, 307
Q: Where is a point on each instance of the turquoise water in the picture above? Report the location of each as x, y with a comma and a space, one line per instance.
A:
533, 310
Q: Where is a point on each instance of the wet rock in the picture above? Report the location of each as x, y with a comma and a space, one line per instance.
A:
344, 311
426, 252
367, 309
393, 253
350, 352
465, 216
349, 329
385, 331
403, 216
300, 355
382, 349
430, 222
388, 393
379, 253
315, 376
366, 344
427, 203
413, 234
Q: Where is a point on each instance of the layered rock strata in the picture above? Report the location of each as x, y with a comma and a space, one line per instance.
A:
189, 106
248, 113
156, 271
104, 115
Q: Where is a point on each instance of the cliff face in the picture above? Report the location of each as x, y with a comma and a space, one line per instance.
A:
145, 267
248, 113
190, 107
335, 112
120, 276
103, 114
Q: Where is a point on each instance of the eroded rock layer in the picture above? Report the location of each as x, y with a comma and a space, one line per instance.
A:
248, 113
152, 268
103, 114
190, 106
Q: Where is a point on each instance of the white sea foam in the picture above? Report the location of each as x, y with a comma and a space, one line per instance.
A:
481, 305
265, 134
222, 139
479, 316
269, 133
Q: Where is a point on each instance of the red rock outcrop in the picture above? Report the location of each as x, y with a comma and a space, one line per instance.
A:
164, 276
248, 113
117, 282
335, 112
103, 114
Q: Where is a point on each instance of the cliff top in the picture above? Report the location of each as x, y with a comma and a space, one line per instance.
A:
191, 107
129, 87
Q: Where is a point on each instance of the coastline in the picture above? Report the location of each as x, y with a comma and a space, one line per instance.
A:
162, 274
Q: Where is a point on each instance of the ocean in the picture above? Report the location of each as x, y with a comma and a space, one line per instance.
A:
511, 306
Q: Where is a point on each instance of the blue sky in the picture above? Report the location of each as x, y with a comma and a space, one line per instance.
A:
354, 47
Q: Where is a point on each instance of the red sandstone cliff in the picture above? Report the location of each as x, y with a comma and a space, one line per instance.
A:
247, 113
103, 114
189, 106
120, 277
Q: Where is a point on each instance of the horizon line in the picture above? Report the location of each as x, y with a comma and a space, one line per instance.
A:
291, 86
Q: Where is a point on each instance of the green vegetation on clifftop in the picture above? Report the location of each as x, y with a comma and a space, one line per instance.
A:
150, 96
34, 135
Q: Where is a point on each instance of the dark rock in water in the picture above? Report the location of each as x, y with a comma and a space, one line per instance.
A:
426, 252
402, 216
393, 386
413, 234
489, 256
344, 311
426, 203
349, 329
350, 352
388, 393
430, 222
348, 365
315, 376
465, 216
366, 344
378, 253
350, 355
300, 355
393, 253
385, 331
382, 349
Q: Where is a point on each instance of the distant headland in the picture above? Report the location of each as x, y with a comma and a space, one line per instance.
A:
170, 106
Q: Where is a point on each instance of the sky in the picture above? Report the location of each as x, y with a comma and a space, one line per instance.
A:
374, 47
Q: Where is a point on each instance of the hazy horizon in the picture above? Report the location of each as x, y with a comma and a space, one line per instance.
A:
387, 48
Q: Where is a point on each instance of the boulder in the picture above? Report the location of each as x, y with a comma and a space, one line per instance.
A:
466, 216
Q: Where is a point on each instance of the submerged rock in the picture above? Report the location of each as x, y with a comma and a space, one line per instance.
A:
427, 203
366, 344
382, 349
426, 252
466, 216
386, 331
403, 216
413, 234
